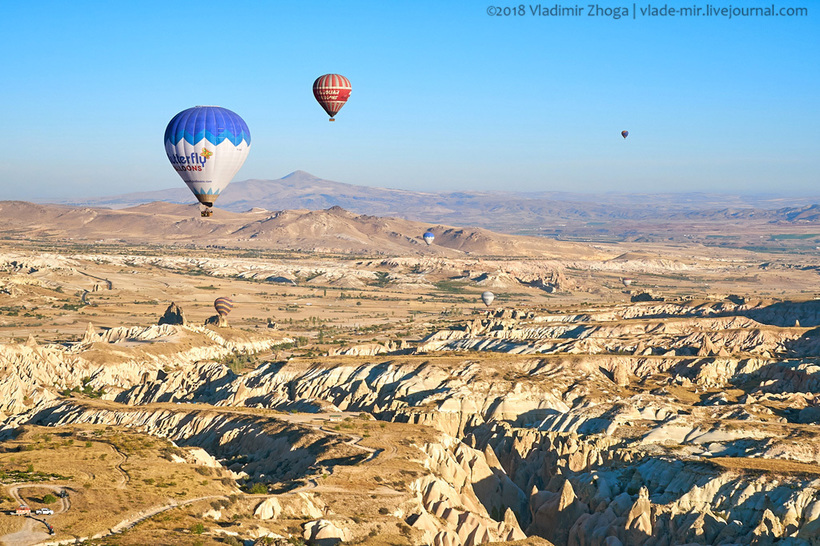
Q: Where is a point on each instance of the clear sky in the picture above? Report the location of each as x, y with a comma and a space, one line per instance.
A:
445, 96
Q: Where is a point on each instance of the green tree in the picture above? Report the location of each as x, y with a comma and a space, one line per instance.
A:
382, 278
258, 489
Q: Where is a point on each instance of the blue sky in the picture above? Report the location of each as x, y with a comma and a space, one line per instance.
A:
445, 97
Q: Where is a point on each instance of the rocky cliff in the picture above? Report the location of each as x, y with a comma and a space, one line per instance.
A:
646, 424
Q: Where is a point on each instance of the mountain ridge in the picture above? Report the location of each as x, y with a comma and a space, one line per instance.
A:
303, 184
573, 216
332, 230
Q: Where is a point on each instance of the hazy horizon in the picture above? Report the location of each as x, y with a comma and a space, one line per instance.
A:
557, 194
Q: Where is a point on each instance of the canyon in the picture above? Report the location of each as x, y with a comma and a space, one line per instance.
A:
372, 398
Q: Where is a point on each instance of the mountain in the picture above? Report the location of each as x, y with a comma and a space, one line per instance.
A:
333, 230
710, 219
302, 190
508, 211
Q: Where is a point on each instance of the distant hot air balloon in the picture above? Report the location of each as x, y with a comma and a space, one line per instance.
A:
627, 282
624, 134
332, 92
223, 306
487, 297
207, 145
428, 237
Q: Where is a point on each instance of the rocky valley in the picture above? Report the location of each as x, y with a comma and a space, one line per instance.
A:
640, 394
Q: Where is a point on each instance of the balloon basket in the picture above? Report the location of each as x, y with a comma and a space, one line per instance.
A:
332, 119
207, 213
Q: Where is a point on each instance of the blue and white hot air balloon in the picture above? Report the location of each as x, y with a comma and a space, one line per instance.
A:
428, 237
207, 145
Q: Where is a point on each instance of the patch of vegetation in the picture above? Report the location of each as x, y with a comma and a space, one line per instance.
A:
450, 311
11, 310
382, 279
168, 453
258, 489
786, 236
28, 475
313, 275
85, 389
238, 362
451, 286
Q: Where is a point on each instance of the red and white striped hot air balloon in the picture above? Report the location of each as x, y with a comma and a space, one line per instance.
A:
332, 92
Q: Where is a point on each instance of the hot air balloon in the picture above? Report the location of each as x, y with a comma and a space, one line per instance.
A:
487, 297
332, 92
207, 145
223, 305
624, 134
627, 282
428, 237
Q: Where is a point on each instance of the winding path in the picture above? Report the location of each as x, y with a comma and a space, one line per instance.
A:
33, 531
124, 477
133, 520
28, 535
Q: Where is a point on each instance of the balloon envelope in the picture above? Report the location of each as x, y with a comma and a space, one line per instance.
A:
206, 146
487, 297
223, 306
624, 134
428, 238
332, 92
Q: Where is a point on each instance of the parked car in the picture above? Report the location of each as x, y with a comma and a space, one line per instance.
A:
44, 511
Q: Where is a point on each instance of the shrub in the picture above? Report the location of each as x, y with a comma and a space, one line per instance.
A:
237, 362
197, 528
258, 489
49, 499
382, 279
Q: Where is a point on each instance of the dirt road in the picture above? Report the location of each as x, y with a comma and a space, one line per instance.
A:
33, 531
